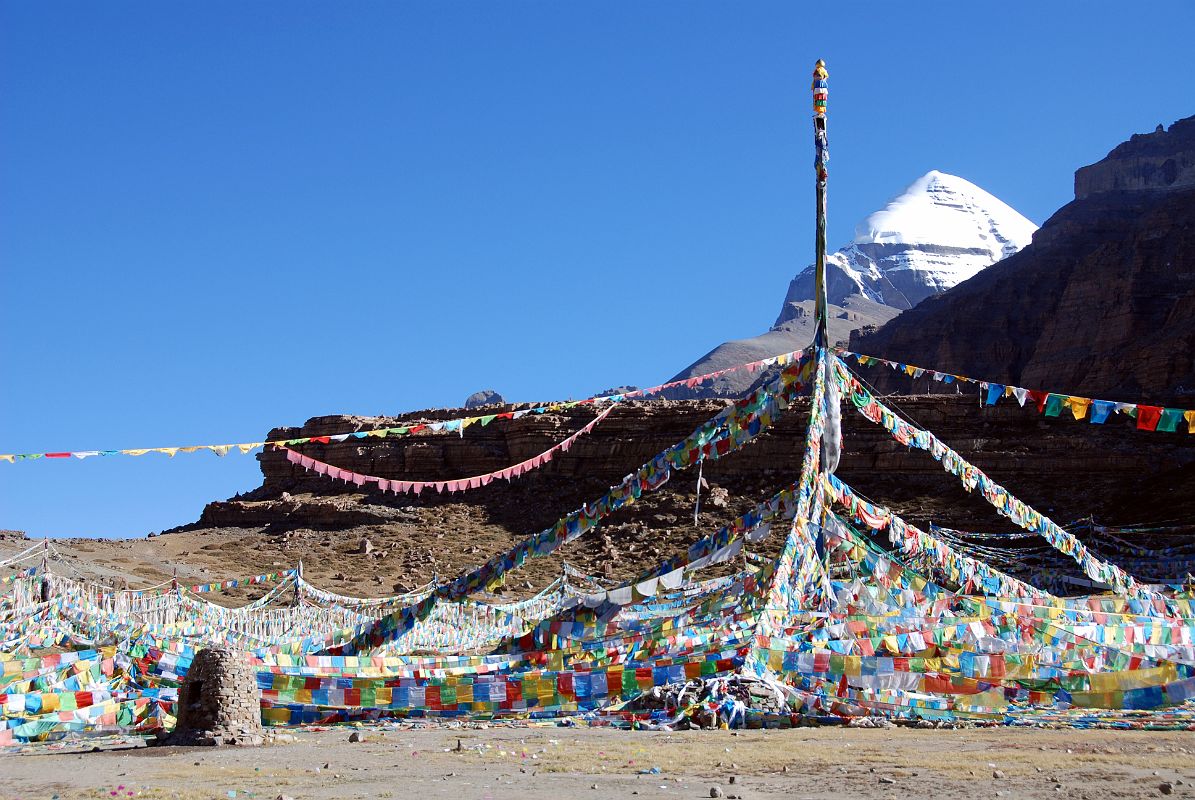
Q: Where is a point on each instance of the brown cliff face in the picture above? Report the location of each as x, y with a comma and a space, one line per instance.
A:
1101, 304
1164, 159
1066, 469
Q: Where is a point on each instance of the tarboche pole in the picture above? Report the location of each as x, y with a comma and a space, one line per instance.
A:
822, 156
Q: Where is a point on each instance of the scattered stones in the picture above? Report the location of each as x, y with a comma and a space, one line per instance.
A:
715, 791
886, 780
355, 737
998, 774
364, 547
1166, 787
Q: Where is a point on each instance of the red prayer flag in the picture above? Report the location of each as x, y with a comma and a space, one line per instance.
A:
1148, 417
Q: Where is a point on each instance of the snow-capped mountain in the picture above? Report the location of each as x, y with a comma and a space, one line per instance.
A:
937, 233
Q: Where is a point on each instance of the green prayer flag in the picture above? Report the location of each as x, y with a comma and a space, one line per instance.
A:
1171, 417
1054, 405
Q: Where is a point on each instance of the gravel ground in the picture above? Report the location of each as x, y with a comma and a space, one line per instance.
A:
549, 763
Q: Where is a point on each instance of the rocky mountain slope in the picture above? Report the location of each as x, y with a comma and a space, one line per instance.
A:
939, 231
1102, 303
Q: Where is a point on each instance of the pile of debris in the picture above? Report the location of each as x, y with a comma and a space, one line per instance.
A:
733, 701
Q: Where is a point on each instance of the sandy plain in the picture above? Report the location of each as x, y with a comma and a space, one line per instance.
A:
553, 763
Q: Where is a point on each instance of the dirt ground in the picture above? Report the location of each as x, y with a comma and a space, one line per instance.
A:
553, 763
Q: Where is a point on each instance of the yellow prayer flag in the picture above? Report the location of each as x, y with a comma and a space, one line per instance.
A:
1079, 406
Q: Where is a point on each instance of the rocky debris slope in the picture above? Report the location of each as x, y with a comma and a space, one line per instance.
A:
1102, 303
938, 232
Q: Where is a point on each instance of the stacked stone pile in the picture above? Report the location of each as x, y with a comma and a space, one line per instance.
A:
218, 703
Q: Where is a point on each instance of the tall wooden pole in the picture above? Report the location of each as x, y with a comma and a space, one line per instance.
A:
827, 461
820, 94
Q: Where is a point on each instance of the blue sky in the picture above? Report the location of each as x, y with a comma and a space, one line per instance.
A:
220, 217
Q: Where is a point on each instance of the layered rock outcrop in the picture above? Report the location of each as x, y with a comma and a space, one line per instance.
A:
1101, 304
1067, 468
1162, 160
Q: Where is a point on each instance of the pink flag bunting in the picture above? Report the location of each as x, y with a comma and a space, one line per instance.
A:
458, 485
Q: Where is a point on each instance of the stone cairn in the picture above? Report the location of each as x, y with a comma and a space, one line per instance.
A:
218, 702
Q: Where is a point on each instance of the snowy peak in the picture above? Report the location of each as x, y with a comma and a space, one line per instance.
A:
937, 233
946, 210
